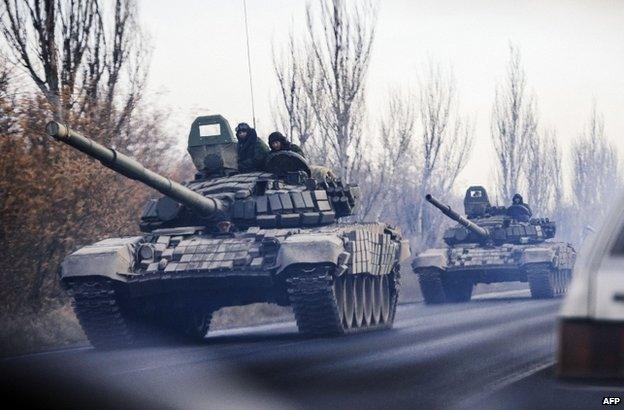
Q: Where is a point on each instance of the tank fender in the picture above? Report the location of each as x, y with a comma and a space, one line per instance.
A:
107, 258
537, 255
308, 248
431, 258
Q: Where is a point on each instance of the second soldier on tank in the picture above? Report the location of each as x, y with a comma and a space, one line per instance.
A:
278, 142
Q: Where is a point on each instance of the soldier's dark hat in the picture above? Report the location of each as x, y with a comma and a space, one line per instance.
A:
243, 126
277, 136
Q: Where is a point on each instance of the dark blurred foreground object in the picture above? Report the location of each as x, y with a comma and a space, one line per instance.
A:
489, 245
228, 238
591, 322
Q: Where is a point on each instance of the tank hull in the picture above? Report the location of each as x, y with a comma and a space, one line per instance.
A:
545, 266
173, 279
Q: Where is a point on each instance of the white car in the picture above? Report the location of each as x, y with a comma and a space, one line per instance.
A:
591, 321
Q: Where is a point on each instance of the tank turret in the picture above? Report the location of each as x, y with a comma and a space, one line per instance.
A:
287, 193
492, 224
446, 210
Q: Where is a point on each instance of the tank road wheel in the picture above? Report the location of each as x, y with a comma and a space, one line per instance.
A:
328, 305
566, 275
547, 283
377, 298
430, 281
340, 295
563, 280
458, 291
369, 300
360, 301
349, 305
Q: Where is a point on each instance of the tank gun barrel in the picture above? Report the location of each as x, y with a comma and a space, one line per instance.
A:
130, 168
446, 210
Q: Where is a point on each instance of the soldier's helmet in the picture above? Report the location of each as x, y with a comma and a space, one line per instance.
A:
243, 126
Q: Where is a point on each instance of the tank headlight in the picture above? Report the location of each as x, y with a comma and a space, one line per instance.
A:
224, 226
146, 251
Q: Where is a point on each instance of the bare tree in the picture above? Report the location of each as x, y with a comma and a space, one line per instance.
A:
513, 126
445, 143
426, 143
595, 173
293, 114
543, 173
88, 68
72, 57
338, 46
385, 175
7, 98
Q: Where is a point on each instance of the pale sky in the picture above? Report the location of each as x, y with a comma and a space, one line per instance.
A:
573, 55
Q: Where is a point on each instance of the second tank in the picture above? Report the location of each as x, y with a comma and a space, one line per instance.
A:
492, 244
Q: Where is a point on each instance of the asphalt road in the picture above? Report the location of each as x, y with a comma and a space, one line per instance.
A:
495, 351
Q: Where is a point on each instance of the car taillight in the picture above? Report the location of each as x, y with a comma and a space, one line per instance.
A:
590, 349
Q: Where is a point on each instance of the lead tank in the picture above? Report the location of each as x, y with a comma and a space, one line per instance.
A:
493, 244
228, 238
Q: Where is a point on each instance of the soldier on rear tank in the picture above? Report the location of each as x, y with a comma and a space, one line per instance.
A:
519, 210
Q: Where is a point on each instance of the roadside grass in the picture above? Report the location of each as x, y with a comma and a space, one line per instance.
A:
26, 332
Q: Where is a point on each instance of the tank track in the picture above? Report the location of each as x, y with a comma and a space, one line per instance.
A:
100, 315
394, 292
109, 325
548, 283
431, 287
312, 296
437, 291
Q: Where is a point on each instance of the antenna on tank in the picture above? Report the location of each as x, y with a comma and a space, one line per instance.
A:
253, 110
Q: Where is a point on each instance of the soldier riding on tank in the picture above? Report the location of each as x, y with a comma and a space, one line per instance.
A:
519, 210
252, 151
278, 142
